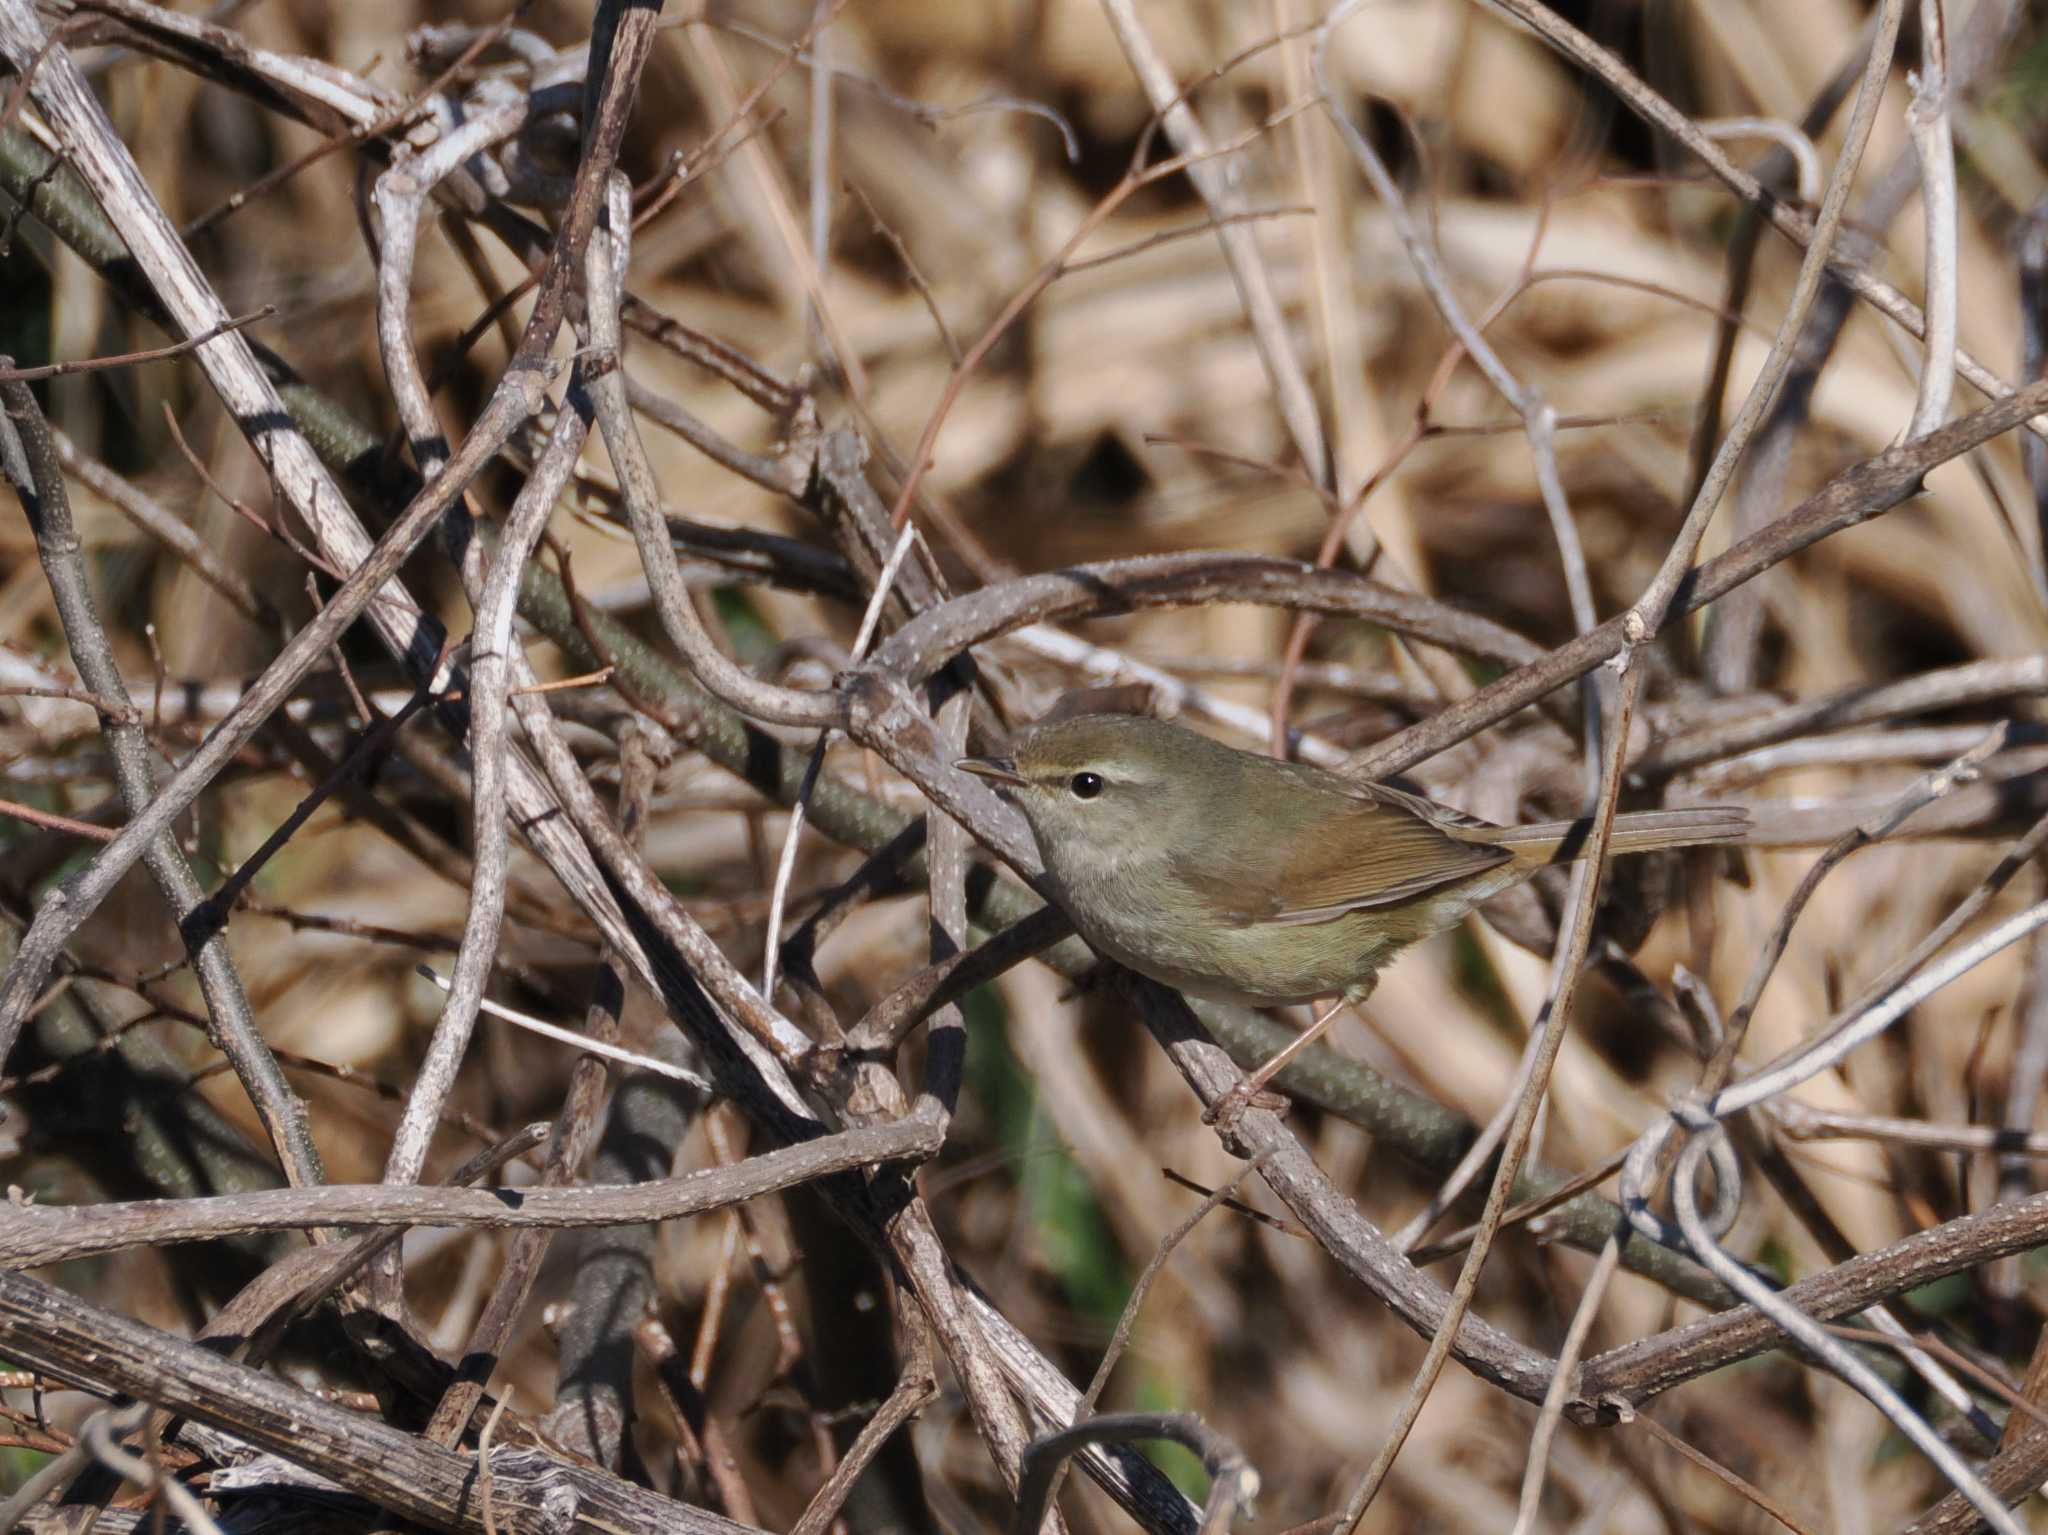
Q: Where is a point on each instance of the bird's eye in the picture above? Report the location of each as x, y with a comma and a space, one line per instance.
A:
1085, 785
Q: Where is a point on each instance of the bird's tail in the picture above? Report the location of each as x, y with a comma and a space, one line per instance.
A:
1637, 831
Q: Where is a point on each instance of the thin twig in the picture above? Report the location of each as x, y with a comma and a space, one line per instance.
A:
1553, 1401
1566, 964
1233, 1482
11, 374
37, 1235
1656, 110
637, 1059
1714, 1468
1843, 1361
30, 461
1647, 616
1933, 142
1223, 196
1127, 1318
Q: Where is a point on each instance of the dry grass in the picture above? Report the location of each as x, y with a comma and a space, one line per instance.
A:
1126, 412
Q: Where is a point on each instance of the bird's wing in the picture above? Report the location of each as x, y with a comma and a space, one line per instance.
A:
1387, 846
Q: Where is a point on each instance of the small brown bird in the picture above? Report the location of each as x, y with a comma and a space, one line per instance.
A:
1234, 876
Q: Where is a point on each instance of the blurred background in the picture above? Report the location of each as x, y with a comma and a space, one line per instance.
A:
1126, 411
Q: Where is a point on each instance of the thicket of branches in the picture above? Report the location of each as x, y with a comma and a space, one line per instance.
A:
594, 469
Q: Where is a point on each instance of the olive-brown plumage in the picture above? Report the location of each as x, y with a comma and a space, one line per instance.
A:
1241, 878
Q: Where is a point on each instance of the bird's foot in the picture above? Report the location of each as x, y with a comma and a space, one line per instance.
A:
1250, 1091
1226, 1111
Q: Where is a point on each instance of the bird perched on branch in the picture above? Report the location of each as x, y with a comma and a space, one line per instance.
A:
1236, 877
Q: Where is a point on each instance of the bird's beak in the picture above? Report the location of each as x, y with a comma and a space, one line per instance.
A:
995, 769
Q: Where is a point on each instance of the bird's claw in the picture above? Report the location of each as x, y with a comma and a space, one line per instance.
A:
1226, 1111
